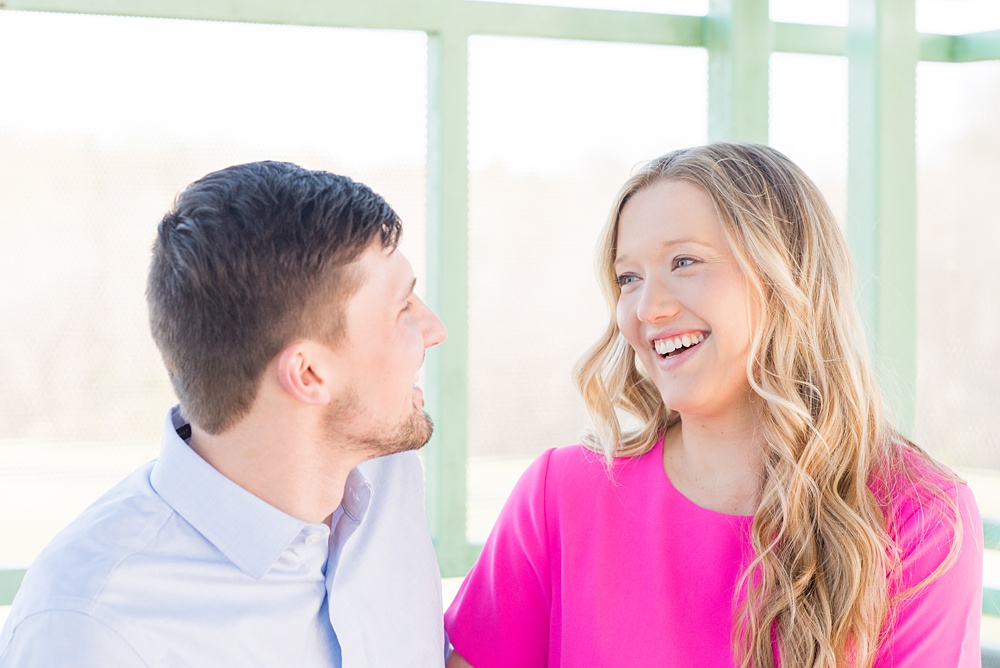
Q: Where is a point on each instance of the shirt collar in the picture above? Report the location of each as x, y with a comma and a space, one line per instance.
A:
249, 531
357, 496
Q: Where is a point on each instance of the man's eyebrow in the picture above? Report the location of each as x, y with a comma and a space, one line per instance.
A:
410, 291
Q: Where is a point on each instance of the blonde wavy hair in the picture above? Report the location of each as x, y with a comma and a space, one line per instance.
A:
818, 584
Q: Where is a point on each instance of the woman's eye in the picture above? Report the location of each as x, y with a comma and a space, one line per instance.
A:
625, 279
683, 262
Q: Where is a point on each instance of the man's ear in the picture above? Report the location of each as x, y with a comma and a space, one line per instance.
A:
304, 373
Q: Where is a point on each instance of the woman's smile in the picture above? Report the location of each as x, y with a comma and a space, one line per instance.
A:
683, 305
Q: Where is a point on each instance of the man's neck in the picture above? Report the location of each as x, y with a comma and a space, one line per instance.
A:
286, 462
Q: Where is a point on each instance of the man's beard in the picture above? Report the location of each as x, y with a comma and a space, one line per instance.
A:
379, 440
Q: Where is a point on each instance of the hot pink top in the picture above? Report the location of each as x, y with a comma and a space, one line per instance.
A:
586, 570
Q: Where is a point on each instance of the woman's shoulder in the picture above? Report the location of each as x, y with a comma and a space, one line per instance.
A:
931, 515
558, 468
569, 485
579, 466
916, 488
574, 459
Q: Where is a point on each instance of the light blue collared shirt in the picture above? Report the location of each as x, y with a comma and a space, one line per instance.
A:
179, 566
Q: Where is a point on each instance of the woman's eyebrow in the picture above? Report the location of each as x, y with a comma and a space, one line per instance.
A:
668, 244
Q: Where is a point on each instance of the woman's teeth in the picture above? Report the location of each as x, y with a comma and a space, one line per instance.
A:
668, 346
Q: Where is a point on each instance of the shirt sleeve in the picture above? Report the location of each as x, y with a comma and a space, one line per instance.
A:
501, 614
67, 638
939, 624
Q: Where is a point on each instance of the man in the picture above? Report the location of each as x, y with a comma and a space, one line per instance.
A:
283, 523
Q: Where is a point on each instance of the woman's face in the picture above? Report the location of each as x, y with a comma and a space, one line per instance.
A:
684, 302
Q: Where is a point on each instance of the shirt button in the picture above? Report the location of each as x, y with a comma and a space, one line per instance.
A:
312, 539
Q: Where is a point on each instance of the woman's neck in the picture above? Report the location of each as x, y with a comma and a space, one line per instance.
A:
717, 462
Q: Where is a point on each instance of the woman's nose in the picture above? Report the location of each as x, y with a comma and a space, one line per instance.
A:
656, 302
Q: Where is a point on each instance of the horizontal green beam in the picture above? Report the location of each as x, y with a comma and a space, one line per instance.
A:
976, 47
832, 41
383, 14
493, 18
10, 580
482, 18
490, 18
991, 534
936, 48
991, 601
960, 48
817, 40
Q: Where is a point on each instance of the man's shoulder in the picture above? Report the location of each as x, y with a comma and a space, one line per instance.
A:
400, 473
74, 568
395, 487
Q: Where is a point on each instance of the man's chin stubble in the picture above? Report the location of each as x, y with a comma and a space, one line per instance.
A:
412, 435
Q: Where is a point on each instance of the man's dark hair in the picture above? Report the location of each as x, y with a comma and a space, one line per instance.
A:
250, 258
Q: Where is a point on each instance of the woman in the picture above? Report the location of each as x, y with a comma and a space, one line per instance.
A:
757, 509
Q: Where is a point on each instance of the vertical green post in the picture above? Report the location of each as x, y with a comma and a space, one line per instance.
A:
882, 48
738, 37
447, 293
10, 581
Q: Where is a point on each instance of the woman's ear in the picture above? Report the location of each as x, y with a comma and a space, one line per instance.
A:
304, 373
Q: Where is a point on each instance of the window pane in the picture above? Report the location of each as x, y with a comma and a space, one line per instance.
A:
555, 129
816, 12
93, 148
808, 122
956, 17
958, 322
958, 334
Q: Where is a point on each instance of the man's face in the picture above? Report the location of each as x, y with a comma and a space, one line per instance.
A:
388, 329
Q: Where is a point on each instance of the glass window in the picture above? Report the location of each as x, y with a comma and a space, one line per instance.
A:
97, 135
808, 120
958, 324
956, 17
815, 12
556, 127
957, 236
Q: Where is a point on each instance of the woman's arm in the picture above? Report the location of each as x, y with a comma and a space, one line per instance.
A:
500, 615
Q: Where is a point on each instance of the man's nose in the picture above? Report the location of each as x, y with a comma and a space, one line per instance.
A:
434, 330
